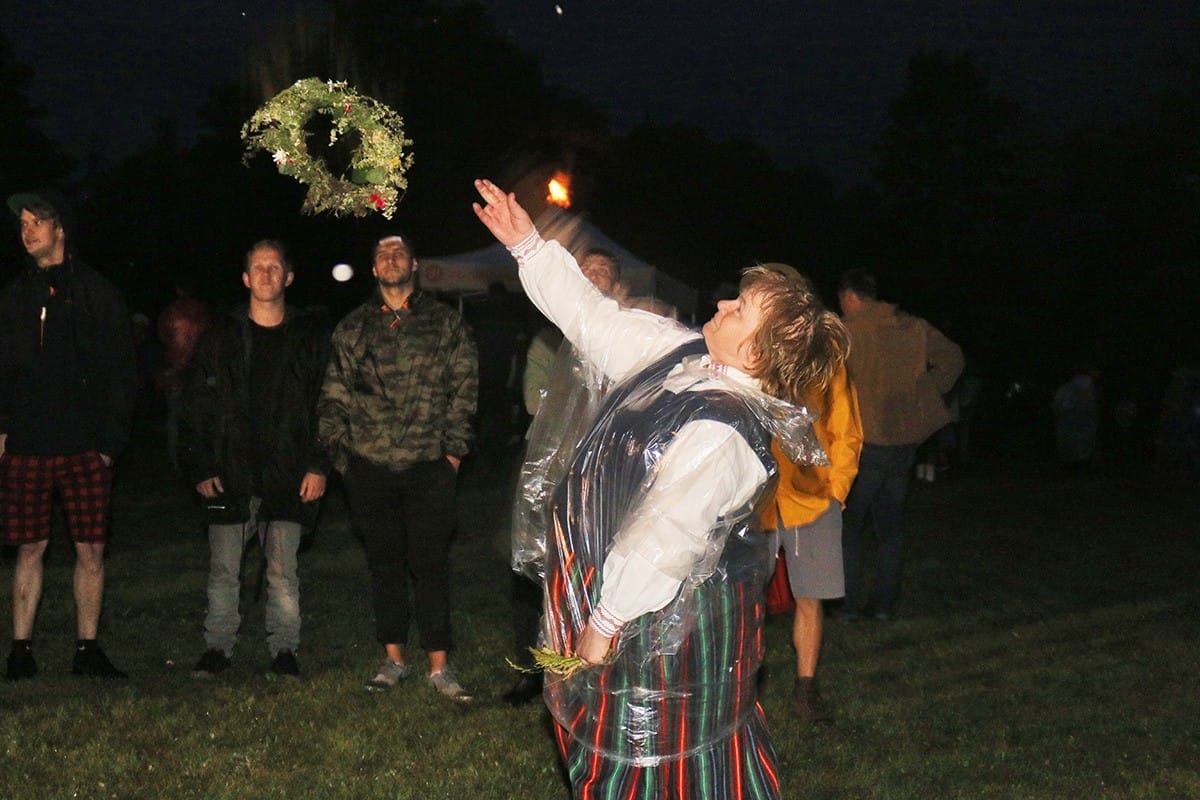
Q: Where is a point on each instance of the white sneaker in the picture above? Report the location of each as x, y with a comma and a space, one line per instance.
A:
390, 673
446, 684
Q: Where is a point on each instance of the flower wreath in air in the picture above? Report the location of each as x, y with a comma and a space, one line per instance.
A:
376, 180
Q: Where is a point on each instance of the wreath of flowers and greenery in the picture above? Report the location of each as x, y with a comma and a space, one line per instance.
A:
376, 173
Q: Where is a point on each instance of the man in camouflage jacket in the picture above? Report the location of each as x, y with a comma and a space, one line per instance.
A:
395, 413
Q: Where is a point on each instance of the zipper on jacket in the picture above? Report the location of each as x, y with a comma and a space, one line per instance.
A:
42, 331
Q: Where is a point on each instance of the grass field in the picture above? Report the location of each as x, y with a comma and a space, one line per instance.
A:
1047, 648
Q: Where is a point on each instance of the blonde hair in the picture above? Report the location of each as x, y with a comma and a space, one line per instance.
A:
799, 345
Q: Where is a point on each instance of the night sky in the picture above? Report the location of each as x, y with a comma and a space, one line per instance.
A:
810, 81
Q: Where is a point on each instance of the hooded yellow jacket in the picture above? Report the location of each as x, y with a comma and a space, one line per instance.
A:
803, 492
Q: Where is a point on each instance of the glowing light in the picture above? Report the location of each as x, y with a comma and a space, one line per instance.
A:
558, 10
343, 273
559, 189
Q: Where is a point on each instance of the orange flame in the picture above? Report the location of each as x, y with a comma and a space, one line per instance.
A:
559, 188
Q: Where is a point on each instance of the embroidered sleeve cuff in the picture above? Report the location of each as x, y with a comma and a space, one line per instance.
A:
525, 249
604, 622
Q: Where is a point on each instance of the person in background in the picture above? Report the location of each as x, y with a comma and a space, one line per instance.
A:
901, 367
395, 412
807, 511
180, 326
68, 389
250, 445
1076, 405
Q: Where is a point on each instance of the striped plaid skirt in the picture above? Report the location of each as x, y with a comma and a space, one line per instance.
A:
678, 724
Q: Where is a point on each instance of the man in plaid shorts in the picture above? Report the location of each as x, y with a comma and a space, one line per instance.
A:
67, 393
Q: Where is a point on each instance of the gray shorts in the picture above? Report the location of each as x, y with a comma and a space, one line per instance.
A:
814, 556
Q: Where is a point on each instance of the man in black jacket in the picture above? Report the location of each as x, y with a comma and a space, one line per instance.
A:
68, 387
249, 435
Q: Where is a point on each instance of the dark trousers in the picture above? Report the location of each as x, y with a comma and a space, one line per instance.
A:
526, 617
406, 520
878, 496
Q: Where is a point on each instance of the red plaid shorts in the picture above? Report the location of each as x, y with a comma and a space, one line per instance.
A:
27, 485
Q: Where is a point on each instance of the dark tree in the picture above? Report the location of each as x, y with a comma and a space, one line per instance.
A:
1118, 230
946, 167
28, 158
703, 210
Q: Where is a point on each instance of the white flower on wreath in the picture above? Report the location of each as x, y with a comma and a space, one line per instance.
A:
279, 156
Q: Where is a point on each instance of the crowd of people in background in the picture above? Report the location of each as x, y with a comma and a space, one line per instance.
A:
262, 403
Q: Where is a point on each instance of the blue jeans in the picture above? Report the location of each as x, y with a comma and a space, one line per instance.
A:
227, 546
878, 496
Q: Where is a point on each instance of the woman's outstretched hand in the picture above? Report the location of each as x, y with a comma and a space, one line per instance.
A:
502, 214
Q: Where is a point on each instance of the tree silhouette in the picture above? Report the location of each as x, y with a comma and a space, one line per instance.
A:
28, 158
946, 167
703, 210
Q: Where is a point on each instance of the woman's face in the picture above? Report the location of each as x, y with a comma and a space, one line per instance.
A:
730, 333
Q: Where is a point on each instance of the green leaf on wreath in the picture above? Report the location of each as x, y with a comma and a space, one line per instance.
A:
368, 176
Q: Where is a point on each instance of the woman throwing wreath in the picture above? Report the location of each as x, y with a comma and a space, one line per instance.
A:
653, 575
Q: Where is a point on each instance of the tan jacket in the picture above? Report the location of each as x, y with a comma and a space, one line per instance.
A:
901, 366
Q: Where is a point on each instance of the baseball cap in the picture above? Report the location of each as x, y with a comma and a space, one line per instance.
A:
44, 197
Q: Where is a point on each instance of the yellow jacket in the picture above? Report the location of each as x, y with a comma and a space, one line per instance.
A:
803, 492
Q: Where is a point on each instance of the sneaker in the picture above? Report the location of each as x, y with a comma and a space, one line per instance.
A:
211, 664
91, 662
284, 664
806, 702
871, 611
445, 683
390, 673
20, 663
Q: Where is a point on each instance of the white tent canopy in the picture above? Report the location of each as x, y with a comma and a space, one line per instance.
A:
476, 270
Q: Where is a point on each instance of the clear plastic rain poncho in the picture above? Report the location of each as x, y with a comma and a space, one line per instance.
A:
569, 402
624, 475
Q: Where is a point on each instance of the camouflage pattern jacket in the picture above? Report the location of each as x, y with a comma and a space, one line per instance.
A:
402, 385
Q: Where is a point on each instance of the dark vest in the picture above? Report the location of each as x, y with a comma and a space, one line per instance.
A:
638, 421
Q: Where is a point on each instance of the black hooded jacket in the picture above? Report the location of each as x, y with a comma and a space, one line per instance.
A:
220, 431
68, 375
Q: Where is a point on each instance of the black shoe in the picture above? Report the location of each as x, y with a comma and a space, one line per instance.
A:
524, 690
20, 663
846, 612
872, 611
806, 703
284, 664
91, 662
211, 664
